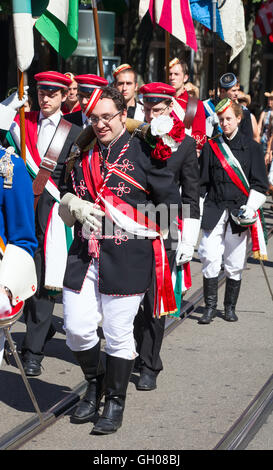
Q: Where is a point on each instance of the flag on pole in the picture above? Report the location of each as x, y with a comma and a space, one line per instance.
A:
25, 13
230, 20
59, 25
264, 20
172, 15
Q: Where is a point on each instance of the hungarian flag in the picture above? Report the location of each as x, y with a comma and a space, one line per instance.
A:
172, 15
25, 13
264, 20
59, 25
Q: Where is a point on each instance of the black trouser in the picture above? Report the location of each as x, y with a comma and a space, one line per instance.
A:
149, 331
38, 312
38, 318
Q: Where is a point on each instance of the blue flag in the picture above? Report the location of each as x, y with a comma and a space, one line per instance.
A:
202, 12
230, 21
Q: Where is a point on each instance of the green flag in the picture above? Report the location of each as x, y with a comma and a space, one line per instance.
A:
25, 13
59, 26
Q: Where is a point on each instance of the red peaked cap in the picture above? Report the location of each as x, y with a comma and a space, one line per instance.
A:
92, 84
51, 80
157, 91
88, 82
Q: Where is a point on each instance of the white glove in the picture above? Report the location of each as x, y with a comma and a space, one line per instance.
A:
184, 253
248, 212
185, 247
5, 307
9, 108
86, 213
13, 101
254, 202
73, 208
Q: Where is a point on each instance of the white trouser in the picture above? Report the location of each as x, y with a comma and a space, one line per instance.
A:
83, 312
221, 242
2, 344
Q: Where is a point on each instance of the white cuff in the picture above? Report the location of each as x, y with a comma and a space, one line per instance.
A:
190, 231
255, 199
7, 116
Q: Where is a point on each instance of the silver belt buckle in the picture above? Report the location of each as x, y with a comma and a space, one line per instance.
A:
48, 164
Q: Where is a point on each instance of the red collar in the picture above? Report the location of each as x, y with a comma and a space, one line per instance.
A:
183, 96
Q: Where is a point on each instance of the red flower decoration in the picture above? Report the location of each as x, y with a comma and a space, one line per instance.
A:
178, 131
161, 151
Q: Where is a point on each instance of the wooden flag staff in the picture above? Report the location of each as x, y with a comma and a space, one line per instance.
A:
167, 55
22, 115
97, 33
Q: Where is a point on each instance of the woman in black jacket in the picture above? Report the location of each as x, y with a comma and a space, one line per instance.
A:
233, 179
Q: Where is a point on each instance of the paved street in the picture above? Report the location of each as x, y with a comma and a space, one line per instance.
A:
211, 373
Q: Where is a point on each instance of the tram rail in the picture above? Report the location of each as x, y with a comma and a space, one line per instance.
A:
236, 438
251, 420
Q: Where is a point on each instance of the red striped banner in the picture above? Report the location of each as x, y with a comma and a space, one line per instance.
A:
172, 15
264, 20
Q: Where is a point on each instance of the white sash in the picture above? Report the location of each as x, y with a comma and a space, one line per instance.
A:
179, 111
55, 250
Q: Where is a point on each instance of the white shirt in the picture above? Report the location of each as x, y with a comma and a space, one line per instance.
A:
46, 130
139, 113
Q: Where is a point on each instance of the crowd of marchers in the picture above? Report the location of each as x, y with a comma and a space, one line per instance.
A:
99, 154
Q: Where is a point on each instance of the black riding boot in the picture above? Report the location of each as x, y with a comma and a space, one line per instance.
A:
231, 297
118, 373
92, 368
210, 287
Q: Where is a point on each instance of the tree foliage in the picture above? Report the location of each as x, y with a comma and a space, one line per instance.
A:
251, 9
5, 7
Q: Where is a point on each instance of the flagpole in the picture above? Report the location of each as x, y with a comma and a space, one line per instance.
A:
214, 29
97, 33
167, 55
22, 115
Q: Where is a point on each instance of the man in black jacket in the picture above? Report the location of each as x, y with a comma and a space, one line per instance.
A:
125, 80
108, 271
183, 163
47, 134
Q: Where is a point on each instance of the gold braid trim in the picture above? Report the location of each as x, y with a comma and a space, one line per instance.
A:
257, 255
169, 312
